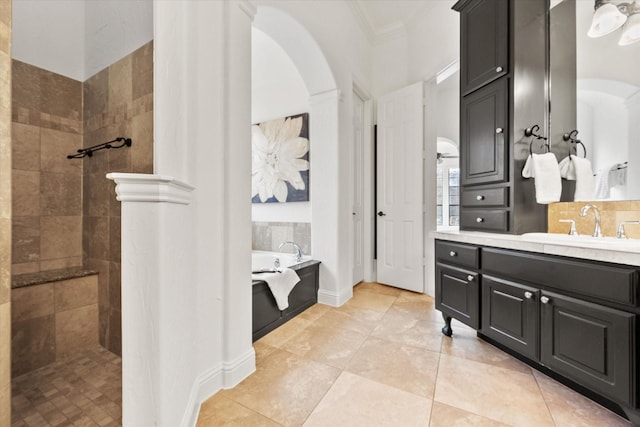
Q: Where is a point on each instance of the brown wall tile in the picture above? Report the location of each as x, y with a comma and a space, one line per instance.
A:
60, 237
32, 344
96, 237
5, 211
25, 147
120, 83
142, 70
25, 239
26, 90
5, 357
115, 301
57, 264
55, 146
76, 330
60, 194
96, 194
95, 90
74, 293
114, 239
61, 96
142, 148
5, 260
102, 267
31, 302
114, 338
26, 193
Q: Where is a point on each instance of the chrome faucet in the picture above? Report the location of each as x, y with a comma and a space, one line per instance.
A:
583, 212
621, 234
296, 246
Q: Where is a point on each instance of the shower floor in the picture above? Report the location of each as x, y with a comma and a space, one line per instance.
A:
83, 390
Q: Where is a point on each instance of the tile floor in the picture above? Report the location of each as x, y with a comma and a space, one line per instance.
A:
83, 390
380, 360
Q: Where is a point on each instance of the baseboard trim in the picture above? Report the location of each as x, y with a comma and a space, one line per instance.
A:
334, 299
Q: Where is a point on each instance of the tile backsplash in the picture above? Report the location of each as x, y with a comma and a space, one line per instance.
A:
267, 236
611, 214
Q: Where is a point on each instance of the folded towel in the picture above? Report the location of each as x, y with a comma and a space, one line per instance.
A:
544, 169
578, 169
281, 283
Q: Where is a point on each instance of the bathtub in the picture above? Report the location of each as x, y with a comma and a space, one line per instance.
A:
266, 315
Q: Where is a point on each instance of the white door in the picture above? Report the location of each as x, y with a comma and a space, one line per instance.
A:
399, 189
358, 190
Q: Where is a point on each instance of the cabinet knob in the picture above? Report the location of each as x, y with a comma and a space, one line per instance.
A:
470, 278
544, 300
479, 198
498, 69
452, 253
499, 130
528, 295
479, 220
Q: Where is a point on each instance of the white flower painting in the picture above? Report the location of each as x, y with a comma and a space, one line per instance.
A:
280, 163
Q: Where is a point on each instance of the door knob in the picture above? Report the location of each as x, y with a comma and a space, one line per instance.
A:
544, 300
470, 278
498, 69
382, 213
479, 197
528, 295
353, 213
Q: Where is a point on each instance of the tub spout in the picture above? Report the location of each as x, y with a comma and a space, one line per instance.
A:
296, 246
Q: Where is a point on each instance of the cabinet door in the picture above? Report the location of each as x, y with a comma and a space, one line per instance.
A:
590, 344
483, 129
457, 294
484, 43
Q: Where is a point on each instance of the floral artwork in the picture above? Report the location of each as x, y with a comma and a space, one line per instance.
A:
280, 160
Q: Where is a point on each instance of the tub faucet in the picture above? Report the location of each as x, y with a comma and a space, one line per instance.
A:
296, 246
583, 212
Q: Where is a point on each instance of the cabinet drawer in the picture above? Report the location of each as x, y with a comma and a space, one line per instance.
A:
484, 219
590, 344
606, 282
458, 253
458, 294
482, 198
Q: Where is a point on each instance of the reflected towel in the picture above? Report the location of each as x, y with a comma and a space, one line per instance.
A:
608, 178
578, 169
546, 172
281, 283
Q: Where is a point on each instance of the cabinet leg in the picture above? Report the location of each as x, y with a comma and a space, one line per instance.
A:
633, 415
446, 329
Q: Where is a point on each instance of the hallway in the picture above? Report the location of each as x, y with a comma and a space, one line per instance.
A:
381, 360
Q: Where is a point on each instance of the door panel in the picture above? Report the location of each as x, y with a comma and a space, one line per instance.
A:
399, 194
357, 253
457, 294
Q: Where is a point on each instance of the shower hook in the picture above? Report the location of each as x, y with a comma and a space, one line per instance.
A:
571, 137
532, 132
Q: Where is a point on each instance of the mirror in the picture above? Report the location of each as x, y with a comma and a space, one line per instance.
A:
595, 89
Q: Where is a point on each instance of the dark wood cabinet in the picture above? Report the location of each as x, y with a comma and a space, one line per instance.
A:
590, 344
484, 44
458, 294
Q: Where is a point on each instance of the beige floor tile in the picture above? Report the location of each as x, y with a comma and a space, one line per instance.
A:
332, 346
285, 332
406, 329
285, 388
220, 411
419, 308
467, 345
370, 301
377, 288
500, 394
343, 320
262, 351
412, 369
415, 296
569, 408
447, 416
314, 312
357, 401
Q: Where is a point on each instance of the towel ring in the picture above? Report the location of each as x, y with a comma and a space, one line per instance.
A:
571, 137
532, 132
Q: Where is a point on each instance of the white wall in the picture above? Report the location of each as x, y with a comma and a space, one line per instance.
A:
277, 90
79, 38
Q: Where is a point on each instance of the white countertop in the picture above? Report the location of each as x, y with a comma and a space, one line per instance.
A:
629, 254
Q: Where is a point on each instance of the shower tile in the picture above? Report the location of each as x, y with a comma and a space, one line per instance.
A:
120, 83
61, 237
5, 32
96, 164
74, 293
115, 331
142, 146
26, 193
25, 267
96, 195
32, 344
95, 90
114, 285
76, 330
61, 96
26, 83
25, 147
102, 267
54, 148
142, 70
96, 237
5, 351
5, 259
32, 302
60, 194
5, 14
25, 239
57, 264
114, 239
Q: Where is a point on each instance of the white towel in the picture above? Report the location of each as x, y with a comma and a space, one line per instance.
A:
546, 172
608, 178
281, 283
578, 169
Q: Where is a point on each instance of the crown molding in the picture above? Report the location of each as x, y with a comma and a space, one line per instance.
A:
363, 18
139, 187
389, 32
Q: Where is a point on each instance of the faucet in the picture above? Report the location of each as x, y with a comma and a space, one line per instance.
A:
583, 212
296, 246
620, 234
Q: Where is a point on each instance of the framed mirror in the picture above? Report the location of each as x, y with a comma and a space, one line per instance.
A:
595, 90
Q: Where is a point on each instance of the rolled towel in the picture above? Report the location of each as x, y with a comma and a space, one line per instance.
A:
281, 283
546, 173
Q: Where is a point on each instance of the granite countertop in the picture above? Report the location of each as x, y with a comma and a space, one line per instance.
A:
31, 279
629, 255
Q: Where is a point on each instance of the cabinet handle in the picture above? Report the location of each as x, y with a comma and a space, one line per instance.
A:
544, 300
470, 278
499, 130
479, 198
498, 69
528, 295
452, 253
478, 220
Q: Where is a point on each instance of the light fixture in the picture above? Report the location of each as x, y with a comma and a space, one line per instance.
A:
608, 17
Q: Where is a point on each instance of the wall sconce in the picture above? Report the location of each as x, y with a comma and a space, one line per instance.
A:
608, 17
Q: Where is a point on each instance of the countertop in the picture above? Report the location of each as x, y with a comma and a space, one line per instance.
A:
629, 255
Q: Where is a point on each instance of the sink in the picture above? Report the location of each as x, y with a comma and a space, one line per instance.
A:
611, 243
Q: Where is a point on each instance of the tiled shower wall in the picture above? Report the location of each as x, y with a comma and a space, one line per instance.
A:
118, 101
611, 214
267, 236
5, 212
